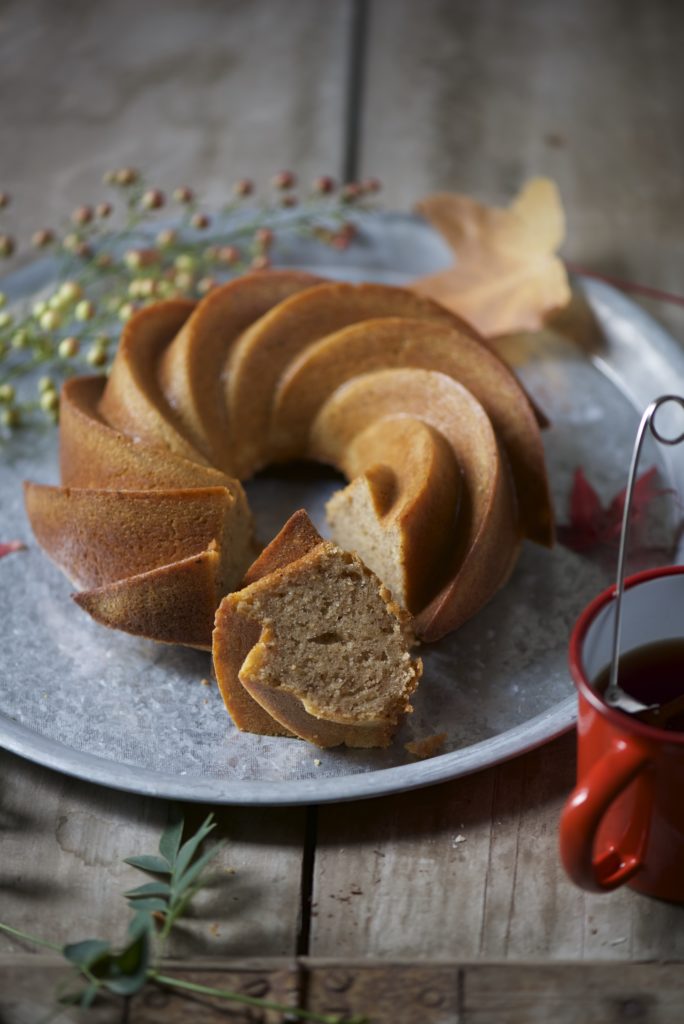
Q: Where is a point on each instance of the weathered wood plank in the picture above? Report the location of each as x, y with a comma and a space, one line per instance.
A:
30, 987
401, 992
478, 97
471, 870
203, 93
62, 845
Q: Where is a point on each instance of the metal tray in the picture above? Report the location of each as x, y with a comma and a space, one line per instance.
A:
134, 715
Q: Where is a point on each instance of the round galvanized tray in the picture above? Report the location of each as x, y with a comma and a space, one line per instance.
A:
137, 716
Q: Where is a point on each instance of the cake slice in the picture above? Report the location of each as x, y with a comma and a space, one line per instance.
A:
399, 512
100, 536
487, 534
330, 662
173, 604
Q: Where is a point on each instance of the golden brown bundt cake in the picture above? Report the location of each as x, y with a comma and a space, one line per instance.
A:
403, 342
192, 369
266, 348
173, 604
331, 660
398, 514
98, 536
487, 534
430, 428
132, 400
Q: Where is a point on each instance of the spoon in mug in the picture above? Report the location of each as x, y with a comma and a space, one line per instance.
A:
614, 695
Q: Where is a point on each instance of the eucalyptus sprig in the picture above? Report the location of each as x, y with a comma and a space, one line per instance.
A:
179, 868
116, 257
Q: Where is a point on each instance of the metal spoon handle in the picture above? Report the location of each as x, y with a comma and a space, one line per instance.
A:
613, 692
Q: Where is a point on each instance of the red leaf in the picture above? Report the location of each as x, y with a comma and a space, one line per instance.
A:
591, 524
10, 546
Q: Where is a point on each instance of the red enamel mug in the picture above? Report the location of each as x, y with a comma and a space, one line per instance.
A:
624, 821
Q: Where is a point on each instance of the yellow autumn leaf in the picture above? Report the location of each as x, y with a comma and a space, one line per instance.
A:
506, 276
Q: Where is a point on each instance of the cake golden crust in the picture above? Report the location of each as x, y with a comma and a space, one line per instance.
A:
234, 636
266, 348
172, 604
132, 400
192, 369
402, 342
488, 534
93, 454
399, 513
98, 536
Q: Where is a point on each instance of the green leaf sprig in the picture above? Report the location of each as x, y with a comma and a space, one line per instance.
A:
179, 868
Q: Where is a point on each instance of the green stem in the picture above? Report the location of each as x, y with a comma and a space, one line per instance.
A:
236, 997
29, 938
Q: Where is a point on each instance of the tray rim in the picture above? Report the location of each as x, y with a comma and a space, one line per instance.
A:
534, 732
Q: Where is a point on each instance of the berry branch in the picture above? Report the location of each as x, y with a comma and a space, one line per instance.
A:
118, 256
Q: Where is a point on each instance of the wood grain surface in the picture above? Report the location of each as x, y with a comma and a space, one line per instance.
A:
448, 95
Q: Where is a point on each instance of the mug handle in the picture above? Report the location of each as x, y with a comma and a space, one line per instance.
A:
584, 811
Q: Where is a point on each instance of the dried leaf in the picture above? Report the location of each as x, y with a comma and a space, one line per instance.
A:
10, 547
591, 524
506, 276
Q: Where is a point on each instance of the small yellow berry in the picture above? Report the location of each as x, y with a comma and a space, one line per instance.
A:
68, 347
39, 308
71, 242
49, 400
6, 319
6, 393
126, 176
82, 215
185, 262
200, 221
206, 284
166, 238
20, 339
147, 286
183, 194
46, 384
96, 356
184, 281
10, 417
50, 320
153, 199
70, 291
85, 310
126, 311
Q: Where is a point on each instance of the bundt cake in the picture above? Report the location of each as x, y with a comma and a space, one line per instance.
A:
319, 645
438, 440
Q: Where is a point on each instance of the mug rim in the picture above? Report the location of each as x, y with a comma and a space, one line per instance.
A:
577, 670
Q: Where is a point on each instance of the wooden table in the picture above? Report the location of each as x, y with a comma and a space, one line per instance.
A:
437, 94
